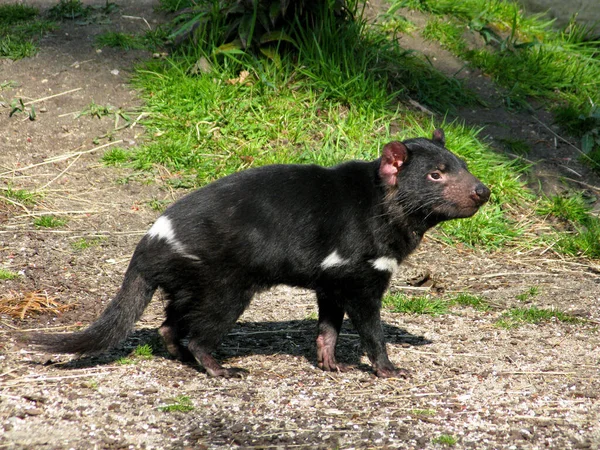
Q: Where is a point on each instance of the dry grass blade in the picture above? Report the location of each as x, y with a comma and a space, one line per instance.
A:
52, 96
18, 305
59, 158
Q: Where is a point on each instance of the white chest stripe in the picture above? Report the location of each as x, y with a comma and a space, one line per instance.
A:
333, 260
385, 264
163, 229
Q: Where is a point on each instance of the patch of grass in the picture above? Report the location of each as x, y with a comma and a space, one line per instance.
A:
70, 9
12, 47
445, 439
582, 235
11, 14
571, 208
20, 196
402, 303
448, 32
49, 221
158, 205
312, 316
100, 111
393, 23
490, 229
143, 351
473, 301
181, 404
91, 384
516, 317
124, 361
116, 156
529, 294
20, 28
583, 241
6, 274
85, 243
120, 40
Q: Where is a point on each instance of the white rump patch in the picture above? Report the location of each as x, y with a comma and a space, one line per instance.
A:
385, 264
333, 260
163, 229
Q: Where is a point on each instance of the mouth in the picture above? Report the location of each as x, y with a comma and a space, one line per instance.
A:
455, 211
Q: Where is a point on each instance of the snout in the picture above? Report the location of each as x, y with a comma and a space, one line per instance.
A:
480, 194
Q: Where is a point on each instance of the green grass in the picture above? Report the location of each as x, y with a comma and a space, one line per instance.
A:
570, 208
469, 300
85, 243
158, 205
584, 241
124, 361
581, 235
20, 196
529, 294
11, 14
516, 317
425, 304
20, 29
143, 351
116, 39
526, 55
402, 303
6, 274
181, 404
116, 156
70, 9
445, 439
49, 221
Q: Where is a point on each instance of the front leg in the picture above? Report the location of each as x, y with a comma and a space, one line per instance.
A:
364, 309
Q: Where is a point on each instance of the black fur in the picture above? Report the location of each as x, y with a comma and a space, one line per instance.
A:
336, 230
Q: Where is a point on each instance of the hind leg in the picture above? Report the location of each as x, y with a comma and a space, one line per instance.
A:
210, 320
331, 316
172, 331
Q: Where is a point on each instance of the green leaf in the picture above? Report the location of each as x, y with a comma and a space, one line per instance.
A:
271, 53
587, 143
276, 36
245, 30
230, 47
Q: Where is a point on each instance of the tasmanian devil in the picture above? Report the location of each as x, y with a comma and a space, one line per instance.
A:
341, 231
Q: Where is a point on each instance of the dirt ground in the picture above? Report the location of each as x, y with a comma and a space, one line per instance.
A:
536, 386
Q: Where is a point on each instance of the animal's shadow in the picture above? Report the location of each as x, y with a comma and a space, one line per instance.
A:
292, 337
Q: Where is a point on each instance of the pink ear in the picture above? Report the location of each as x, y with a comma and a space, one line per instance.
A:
392, 157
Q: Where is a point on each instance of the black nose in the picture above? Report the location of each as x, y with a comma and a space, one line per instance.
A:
481, 193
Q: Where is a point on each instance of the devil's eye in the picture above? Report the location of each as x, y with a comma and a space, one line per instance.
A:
435, 175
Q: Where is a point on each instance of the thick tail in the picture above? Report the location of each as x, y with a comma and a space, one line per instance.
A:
112, 326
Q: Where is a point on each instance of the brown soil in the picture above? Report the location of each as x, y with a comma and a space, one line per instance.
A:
535, 386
